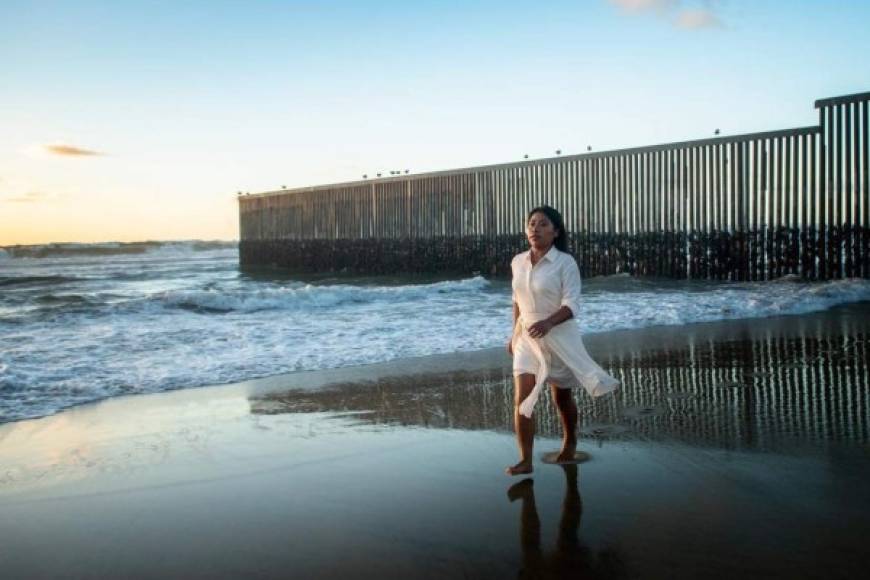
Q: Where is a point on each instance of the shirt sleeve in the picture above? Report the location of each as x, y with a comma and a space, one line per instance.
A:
571, 286
513, 273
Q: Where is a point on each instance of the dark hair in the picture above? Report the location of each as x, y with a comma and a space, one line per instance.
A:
561, 241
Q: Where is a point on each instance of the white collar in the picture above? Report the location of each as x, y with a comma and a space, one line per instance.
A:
550, 255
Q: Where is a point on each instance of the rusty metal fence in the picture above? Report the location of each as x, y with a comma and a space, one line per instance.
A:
746, 207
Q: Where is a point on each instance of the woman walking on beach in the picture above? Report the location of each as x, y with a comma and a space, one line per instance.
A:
546, 346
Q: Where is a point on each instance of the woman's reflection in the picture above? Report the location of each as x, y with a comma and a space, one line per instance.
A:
570, 557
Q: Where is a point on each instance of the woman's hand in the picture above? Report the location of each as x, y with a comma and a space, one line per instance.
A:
540, 328
510, 346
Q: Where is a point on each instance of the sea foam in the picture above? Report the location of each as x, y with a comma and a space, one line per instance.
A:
81, 327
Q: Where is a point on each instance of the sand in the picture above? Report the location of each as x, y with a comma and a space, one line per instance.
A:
735, 449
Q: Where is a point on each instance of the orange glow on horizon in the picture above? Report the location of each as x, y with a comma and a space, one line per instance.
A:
70, 220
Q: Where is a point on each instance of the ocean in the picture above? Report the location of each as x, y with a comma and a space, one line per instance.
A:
84, 322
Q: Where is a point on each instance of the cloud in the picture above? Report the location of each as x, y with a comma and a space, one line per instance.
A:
68, 150
685, 18
695, 19
31, 197
636, 6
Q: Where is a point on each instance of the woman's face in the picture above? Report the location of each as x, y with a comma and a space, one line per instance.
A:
540, 231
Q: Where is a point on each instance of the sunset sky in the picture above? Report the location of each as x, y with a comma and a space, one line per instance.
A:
126, 121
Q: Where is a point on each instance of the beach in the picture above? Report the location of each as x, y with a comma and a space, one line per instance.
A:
266, 271
735, 448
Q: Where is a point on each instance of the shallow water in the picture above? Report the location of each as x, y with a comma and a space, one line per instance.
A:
761, 390
85, 322
741, 453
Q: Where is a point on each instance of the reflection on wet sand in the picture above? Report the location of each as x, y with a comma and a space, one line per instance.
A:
570, 557
754, 392
346, 492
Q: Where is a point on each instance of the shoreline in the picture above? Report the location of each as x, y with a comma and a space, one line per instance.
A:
608, 343
754, 433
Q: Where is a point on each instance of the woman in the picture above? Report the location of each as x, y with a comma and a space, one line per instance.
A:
546, 344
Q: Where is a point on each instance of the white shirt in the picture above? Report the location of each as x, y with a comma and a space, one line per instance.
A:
542, 289
539, 291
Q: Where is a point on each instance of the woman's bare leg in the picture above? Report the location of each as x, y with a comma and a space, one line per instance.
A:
525, 428
564, 401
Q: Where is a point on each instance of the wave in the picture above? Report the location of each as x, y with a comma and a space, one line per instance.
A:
609, 310
64, 299
311, 297
61, 250
815, 297
60, 348
7, 281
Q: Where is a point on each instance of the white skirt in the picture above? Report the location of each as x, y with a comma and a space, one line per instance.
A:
563, 343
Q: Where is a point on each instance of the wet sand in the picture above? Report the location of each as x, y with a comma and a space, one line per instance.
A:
735, 449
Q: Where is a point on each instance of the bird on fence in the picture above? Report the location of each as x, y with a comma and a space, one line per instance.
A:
379, 174
365, 176
407, 171
716, 132
558, 151
589, 148
526, 156
283, 187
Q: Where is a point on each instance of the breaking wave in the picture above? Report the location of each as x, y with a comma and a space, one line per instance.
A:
60, 250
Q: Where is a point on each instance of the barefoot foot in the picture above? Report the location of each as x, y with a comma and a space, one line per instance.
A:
569, 448
520, 468
556, 458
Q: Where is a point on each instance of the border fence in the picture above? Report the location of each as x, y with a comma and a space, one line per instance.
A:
747, 207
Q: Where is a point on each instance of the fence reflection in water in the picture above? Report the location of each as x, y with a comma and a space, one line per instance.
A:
753, 393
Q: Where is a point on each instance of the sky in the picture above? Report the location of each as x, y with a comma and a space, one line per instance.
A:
135, 120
